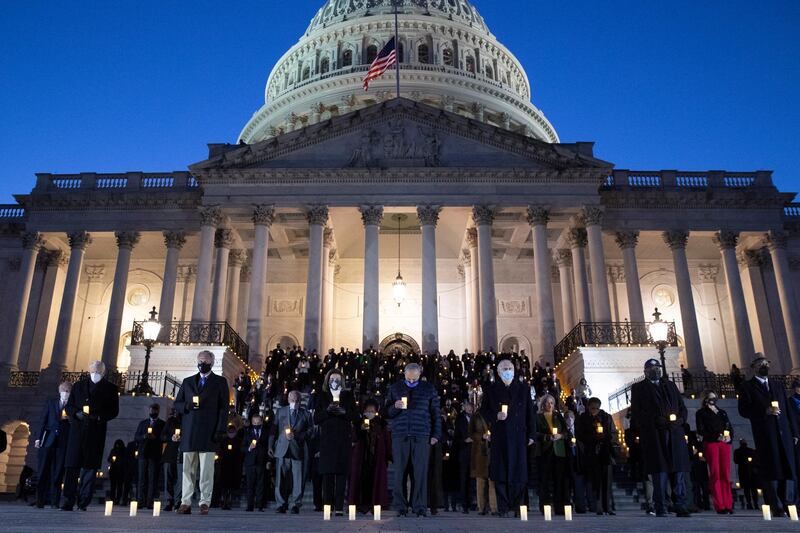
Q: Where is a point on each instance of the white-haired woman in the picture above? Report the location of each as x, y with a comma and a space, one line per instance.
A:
551, 429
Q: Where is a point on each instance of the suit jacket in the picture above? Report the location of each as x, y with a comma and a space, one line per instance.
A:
508, 453
663, 441
203, 426
149, 445
301, 428
53, 430
88, 433
460, 434
259, 455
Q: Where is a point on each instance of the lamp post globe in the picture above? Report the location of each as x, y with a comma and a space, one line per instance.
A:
659, 333
150, 330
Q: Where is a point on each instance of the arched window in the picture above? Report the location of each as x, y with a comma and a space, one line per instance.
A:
372, 53
325, 65
422, 54
471, 64
489, 73
447, 57
402, 53
347, 58
306, 72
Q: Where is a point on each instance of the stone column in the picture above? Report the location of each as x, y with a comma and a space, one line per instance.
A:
428, 217
210, 218
236, 259
371, 216
754, 287
223, 240
40, 344
676, 240
328, 255
78, 241
126, 240
174, 241
475, 288
776, 242
538, 217
483, 216
627, 241
592, 218
317, 216
577, 243
465, 271
726, 240
564, 261
31, 243
263, 217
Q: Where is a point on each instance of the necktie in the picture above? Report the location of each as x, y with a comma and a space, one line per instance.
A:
202, 382
765, 384
292, 416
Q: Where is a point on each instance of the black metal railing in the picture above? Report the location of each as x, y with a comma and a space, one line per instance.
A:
608, 334
211, 333
23, 378
163, 383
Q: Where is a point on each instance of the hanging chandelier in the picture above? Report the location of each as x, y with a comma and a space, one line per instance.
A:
399, 285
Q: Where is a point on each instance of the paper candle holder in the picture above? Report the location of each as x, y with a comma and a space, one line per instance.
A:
376, 512
134, 508
109, 508
326, 512
548, 513
523, 513
568, 513
351, 512
156, 508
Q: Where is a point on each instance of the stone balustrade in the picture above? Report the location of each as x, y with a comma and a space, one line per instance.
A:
126, 181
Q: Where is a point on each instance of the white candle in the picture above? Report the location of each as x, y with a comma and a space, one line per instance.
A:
86, 409
288, 431
404, 399
726, 434
109, 507
156, 508
326, 512
599, 429
792, 512
253, 444
523, 513
149, 431
767, 512
568, 513
177, 432
63, 413
230, 446
196, 401
672, 417
134, 507
376, 512
548, 513
775, 404
555, 431
504, 409
352, 512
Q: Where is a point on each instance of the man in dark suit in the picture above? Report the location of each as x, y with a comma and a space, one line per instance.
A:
51, 441
255, 446
202, 402
91, 405
658, 414
763, 402
462, 442
287, 444
148, 440
171, 491
242, 385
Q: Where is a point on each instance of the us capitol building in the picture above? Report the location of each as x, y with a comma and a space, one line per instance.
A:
451, 217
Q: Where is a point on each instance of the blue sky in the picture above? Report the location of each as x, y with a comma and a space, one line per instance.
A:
144, 85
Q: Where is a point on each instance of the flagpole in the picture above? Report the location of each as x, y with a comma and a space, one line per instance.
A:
397, 46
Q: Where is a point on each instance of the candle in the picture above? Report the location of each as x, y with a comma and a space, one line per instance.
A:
230, 446
555, 431
253, 443
726, 434
326, 512
196, 401
136, 453
352, 512
700, 455
109, 507
134, 507
177, 432
113, 458
523, 513
750, 460
63, 413
574, 440
86, 409
376, 512
774, 404
599, 429
149, 431
738, 485
672, 417
568, 513
504, 409
765, 510
404, 399
792, 512
156, 508
548, 513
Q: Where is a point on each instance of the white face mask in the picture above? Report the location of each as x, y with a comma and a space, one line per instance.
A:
95, 377
64, 396
293, 405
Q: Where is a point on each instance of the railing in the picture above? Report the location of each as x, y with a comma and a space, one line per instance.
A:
792, 210
621, 180
178, 333
128, 181
162, 383
11, 211
608, 334
23, 378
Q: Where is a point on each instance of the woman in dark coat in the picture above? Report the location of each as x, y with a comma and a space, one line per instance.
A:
335, 412
116, 472
716, 431
551, 434
371, 454
229, 465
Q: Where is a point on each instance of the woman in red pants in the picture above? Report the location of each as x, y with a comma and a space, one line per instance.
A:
715, 429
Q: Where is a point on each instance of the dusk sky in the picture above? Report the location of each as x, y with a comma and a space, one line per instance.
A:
144, 85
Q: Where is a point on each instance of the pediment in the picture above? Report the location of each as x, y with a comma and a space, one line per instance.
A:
401, 133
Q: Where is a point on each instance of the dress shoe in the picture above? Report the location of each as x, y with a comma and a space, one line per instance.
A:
683, 514
612, 513
168, 508
434, 512
184, 509
295, 510
402, 513
422, 514
248, 510
66, 508
281, 509
203, 509
82, 508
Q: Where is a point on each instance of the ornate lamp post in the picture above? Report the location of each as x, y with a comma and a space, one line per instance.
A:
150, 331
659, 332
399, 285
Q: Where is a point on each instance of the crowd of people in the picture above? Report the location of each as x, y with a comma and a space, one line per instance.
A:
420, 434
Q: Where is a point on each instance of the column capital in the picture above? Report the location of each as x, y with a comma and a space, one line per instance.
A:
563, 258
237, 258
428, 214
223, 238
32, 240
317, 215
127, 239
591, 216
56, 258
79, 240
627, 239
775, 240
371, 215
483, 215
751, 258
538, 215
95, 272
577, 238
616, 273
676, 238
263, 215
708, 273
186, 273
460, 269
327, 238
332, 257
174, 239
472, 238
467, 255
211, 215
726, 240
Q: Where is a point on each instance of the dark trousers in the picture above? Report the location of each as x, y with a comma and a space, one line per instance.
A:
148, 481
778, 494
255, 485
750, 491
601, 485
412, 452
72, 492
509, 496
552, 482
117, 489
464, 480
677, 482
584, 493
51, 473
169, 476
333, 486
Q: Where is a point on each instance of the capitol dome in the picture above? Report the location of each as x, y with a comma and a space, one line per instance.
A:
449, 59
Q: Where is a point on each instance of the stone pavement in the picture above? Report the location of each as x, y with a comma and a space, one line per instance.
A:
21, 518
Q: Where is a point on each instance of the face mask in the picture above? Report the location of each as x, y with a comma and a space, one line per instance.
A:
763, 370
204, 367
153, 414
256, 426
712, 401
95, 377
64, 396
507, 375
653, 373
369, 416
411, 384
231, 434
335, 384
293, 405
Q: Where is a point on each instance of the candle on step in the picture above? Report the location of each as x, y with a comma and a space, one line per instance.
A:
376, 512
156, 508
134, 508
767, 512
326, 512
792, 512
352, 512
548, 513
109, 507
523, 513
568, 513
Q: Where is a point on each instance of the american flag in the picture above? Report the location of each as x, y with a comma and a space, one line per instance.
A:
385, 59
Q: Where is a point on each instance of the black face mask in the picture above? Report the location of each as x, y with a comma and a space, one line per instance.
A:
711, 402
256, 426
204, 367
763, 371
153, 414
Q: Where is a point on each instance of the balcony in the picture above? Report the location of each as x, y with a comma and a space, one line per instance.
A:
616, 334
197, 333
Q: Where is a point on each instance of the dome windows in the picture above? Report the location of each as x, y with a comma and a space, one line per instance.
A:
470, 64
372, 53
324, 65
447, 57
423, 56
306, 73
347, 58
489, 72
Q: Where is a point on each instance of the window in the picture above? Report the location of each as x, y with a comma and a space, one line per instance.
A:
347, 58
422, 54
324, 66
372, 53
401, 49
306, 72
471, 64
489, 73
447, 57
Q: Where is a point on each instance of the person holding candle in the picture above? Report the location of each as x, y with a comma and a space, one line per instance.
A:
370, 457
513, 430
116, 472
775, 433
485, 495
551, 452
462, 445
598, 436
171, 488
229, 466
716, 432
51, 441
335, 413
148, 440
255, 447
744, 458
293, 425
87, 435
202, 402
658, 414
